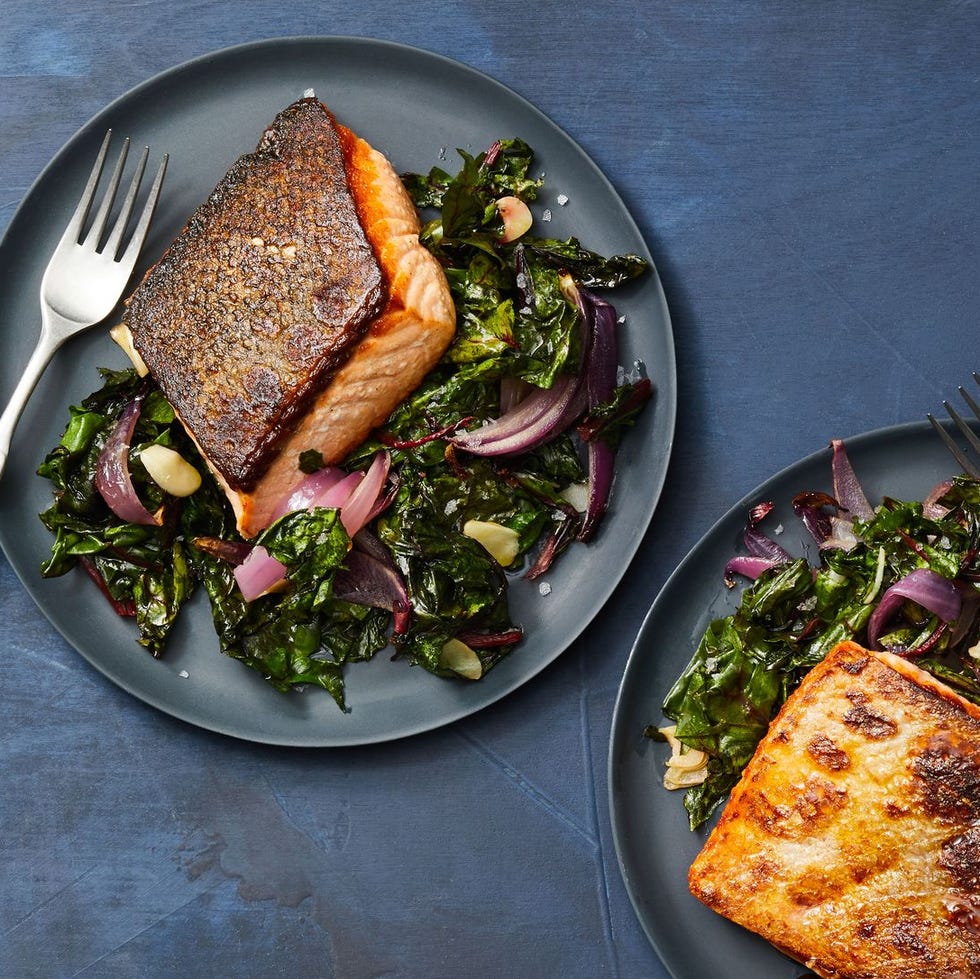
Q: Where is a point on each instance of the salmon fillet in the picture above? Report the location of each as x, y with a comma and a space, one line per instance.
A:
252, 305
295, 311
852, 841
402, 343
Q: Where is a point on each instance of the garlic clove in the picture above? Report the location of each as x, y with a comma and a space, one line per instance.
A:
516, 216
170, 470
459, 658
122, 335
500, 542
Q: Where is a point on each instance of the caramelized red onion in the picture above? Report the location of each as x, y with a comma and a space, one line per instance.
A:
513, 390
112, 476
305, 493
757, 543
602, 354
931, 506
538, 418
847, 489
258, 573
369, 577
356, 510
764, 552
932, 591
357, 495
748, 567
812, 509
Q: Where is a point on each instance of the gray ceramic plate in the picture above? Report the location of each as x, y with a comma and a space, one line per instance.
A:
418, 108
653, 842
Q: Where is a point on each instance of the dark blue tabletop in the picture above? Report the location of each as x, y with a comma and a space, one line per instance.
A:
806, 178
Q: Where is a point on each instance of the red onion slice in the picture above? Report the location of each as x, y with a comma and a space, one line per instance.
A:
602, 468
759, 544
385, 500
601, 363
112, 478
355, 494
968, 613
539, 417
259, 572
931, 507
812, 509
367, 580
367, 543
847, 489
842, 535
337, 495
354, 513
748, 566
924, 587
302, 495
513, 390
602, 349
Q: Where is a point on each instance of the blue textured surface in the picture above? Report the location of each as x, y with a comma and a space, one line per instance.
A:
806, 178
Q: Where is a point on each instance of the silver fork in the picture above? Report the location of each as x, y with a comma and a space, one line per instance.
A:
83, 281
970, 467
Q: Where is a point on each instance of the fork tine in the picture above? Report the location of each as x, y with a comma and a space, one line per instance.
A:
963, 426
74, 229
112, 244
102, 216
974, 407
968, 467
128, 257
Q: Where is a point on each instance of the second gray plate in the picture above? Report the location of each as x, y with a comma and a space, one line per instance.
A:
653, 842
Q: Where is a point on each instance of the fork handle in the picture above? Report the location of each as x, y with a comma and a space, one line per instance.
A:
54, 331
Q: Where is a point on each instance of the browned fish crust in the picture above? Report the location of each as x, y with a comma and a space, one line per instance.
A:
262, 296
852, 841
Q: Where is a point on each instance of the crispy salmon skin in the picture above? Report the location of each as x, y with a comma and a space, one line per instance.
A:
852, 841
261, 296
295, 311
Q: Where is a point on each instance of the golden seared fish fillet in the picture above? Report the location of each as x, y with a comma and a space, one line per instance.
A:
852, 841
295, 310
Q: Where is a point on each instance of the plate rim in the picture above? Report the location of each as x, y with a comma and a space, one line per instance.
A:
637, 656
666, 406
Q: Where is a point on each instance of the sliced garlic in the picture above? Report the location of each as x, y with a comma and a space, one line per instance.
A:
674, 779
459, 658
170, 470
685, 766
499, 541
121, 334
516, 216
688, 761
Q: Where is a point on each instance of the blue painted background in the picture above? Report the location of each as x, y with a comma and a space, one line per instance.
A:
806, 177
